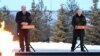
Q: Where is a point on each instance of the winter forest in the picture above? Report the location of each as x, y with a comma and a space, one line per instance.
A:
55, 25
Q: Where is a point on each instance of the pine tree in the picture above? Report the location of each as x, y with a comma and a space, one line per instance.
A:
40, 19
72, 7
35, 21
1, 14
93, 33
9, 20
61, 28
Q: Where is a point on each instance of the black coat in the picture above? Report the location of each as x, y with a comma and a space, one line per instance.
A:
20, 17
78, 20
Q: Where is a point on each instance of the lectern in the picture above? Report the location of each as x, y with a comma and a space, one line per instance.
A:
29, 27
81, 27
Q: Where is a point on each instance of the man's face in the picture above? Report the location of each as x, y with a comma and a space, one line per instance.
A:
80, 12
23, 9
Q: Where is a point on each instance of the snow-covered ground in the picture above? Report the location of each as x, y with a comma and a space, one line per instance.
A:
57, 47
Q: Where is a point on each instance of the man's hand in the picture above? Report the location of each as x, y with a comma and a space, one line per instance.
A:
24, 23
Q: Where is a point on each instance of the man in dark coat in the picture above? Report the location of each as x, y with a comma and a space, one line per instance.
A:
23, 18
78, 19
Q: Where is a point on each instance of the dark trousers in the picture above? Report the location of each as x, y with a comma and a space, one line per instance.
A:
76, 34
24, 40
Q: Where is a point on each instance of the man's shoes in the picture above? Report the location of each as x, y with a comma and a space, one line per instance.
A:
27, 49
21, 51
72, 49
82, 50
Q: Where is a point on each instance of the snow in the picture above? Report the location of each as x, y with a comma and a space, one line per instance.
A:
57, 47
61, 47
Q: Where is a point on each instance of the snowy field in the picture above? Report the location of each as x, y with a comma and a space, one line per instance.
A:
56, 47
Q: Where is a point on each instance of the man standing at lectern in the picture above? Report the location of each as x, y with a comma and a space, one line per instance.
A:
78, 23
23, 18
